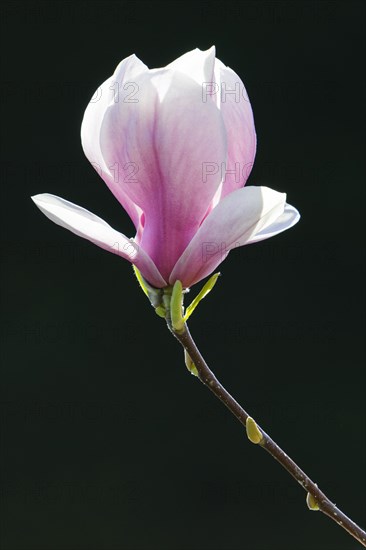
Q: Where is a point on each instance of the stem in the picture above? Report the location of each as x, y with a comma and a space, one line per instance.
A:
209, 379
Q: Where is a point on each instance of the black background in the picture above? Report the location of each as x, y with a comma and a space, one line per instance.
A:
107, 442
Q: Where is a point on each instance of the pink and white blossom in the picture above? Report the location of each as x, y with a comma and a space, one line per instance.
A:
175, 146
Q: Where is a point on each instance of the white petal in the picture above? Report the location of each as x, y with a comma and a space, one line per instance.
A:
232, 99
89, 226
232, 223
113, 91
197, 64
288, 219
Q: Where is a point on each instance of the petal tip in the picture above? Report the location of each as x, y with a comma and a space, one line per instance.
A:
37, 198
42, 198
296, 213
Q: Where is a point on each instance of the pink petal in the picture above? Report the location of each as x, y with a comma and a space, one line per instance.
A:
91, 227
233, 222
167, 135
237, 113
108, 93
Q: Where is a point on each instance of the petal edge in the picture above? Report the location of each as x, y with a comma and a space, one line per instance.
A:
85, 224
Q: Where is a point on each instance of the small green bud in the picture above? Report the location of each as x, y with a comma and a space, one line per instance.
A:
311, 502
189, 364
253, 432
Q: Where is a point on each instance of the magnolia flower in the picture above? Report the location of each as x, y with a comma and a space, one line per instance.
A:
175, 146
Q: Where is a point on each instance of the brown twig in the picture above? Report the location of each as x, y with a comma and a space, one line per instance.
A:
316, 498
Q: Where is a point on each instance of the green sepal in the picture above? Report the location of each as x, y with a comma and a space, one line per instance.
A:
141, 280
176, 306
204, 291
155, 295
161, 311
